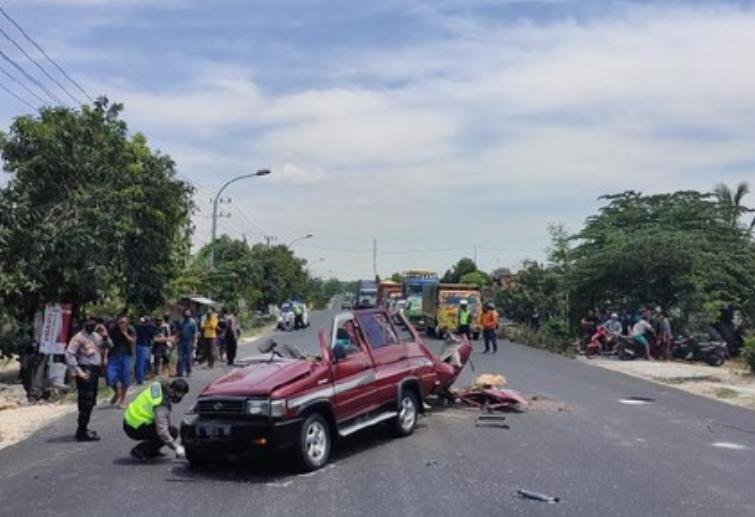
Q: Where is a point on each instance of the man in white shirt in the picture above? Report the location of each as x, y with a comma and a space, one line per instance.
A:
638, 333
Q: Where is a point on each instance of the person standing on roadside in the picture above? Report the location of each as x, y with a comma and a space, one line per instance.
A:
147, 419
187, 334
490, 327
85, 359
464, 319
145, 335
161, 347
231, 336
123, 337
209, 335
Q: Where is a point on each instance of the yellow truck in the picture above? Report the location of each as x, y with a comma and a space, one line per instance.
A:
440, 307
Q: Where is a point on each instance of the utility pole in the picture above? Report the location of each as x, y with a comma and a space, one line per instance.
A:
269, 238
261, 172
374, 257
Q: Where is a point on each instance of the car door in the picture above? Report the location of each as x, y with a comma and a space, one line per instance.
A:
388, 352
354, 374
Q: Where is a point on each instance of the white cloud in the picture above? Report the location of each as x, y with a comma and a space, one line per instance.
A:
543, 116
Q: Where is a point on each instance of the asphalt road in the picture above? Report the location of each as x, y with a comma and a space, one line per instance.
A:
578, 442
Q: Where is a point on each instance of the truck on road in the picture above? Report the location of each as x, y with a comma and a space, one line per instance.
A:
440, 307
414, 284
366, 295
372, 367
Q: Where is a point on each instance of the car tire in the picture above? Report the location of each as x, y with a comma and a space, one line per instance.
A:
408, 410
313, 449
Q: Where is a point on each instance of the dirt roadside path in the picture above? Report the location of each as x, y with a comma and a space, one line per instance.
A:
731, 383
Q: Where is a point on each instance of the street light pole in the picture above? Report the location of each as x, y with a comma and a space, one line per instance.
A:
261, 172
308, 236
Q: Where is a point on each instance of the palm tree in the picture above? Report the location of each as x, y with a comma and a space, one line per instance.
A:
731, 202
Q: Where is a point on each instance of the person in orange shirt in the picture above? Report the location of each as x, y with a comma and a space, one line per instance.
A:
489, 327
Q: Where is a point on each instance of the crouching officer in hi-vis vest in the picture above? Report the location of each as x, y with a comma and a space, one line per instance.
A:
147, 419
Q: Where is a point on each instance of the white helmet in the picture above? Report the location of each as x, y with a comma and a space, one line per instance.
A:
464, 301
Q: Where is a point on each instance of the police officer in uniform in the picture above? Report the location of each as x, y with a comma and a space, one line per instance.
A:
84, 356
147, 419
465, 319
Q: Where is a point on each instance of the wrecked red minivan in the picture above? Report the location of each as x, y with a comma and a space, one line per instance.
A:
372, 367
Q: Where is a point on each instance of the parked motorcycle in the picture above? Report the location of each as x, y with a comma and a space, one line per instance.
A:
691, 349
628, 349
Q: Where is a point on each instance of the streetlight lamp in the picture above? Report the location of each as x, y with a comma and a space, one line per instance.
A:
261, 172
308, 236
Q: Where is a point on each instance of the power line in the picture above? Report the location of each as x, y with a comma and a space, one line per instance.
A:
51, 60
36, 63
29, 77
18, 97
22, 85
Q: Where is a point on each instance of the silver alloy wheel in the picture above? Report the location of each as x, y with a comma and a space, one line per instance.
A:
407, 414
316, 442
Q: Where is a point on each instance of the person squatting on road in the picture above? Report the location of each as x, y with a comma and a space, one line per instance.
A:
187, 335
85, 356
464, 319
123, 337
489, 327
147, 419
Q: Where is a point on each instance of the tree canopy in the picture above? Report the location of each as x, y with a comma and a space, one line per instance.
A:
89, 212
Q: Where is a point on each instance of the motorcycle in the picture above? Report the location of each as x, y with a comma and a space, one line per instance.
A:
602, 342
628, 349
690, 349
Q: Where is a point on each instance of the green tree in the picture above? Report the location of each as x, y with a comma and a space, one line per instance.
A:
731, 201
88, 212
677, 249
397, 277
461, 268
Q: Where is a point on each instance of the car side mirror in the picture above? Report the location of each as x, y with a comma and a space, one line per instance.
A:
339, 353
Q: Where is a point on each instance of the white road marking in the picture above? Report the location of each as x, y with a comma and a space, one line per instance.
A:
729, 445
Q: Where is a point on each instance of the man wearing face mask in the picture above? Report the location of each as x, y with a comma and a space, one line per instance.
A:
84, 356
147, 419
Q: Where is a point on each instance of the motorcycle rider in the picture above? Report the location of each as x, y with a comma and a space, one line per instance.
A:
638, 333
614, 326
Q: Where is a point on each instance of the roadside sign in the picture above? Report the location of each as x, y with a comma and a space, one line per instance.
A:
57, 322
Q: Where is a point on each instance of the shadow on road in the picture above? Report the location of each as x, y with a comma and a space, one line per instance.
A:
277, 467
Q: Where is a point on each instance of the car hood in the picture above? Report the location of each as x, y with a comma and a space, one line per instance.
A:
259, 378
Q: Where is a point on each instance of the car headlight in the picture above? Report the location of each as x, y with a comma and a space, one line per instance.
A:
266, 407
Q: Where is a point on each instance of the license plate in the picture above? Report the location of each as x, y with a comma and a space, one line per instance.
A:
213, 431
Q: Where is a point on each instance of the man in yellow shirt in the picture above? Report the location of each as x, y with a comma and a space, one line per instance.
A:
209, 336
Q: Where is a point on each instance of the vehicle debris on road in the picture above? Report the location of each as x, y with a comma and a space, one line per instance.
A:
537, 496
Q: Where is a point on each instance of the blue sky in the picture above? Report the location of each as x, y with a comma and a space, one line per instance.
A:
431, 125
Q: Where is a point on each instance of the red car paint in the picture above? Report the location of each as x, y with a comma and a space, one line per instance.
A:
386, 357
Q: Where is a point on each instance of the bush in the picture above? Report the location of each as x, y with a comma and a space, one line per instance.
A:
748, 352
554, 336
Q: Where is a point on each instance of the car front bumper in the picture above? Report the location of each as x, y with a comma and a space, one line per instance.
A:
235, 438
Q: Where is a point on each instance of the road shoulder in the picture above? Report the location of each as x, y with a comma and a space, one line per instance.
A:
731, 383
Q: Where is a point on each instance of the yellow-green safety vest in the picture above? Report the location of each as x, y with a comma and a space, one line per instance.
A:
142, 410
464, 317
